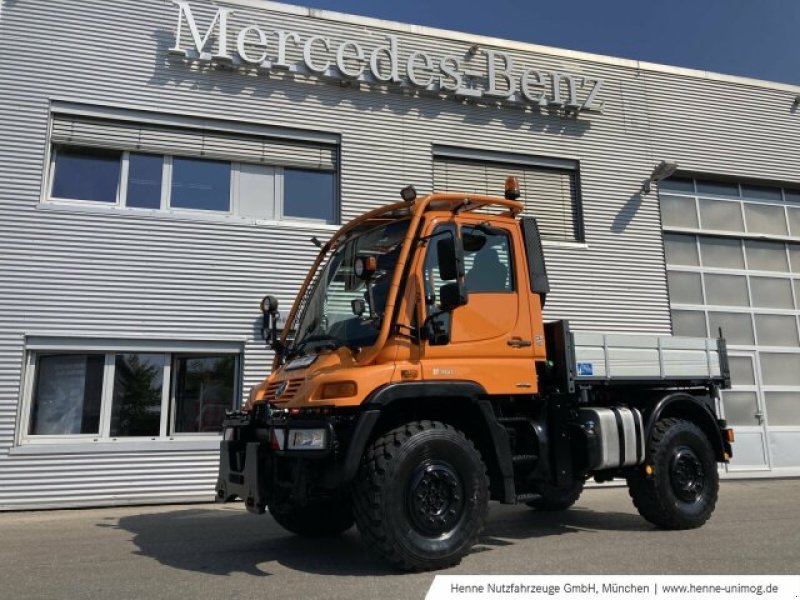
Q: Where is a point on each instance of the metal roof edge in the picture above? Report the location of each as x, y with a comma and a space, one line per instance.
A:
471, 38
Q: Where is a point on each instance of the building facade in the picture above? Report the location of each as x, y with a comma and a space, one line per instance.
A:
164, 164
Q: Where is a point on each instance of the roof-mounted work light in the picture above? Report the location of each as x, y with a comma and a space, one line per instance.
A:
408, 193
660, 172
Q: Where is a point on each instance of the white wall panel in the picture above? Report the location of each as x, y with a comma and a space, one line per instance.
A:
119, 274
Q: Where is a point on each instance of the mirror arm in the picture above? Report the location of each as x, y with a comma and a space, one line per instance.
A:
274, 343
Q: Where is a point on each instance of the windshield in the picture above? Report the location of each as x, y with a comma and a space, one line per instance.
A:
328, 319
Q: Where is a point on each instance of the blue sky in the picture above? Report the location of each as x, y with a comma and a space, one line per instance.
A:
753, 38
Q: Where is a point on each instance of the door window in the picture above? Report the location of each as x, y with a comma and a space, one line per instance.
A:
488, 266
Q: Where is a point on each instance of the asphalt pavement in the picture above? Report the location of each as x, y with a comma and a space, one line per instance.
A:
221, 551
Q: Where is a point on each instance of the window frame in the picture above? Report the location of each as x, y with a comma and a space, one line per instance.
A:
280, 198
167, 351
51, 180
512, 267
165, 207
513, 161
173, 389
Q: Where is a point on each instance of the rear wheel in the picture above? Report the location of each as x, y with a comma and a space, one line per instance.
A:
421, 496
557, 498
682, 491
319, 518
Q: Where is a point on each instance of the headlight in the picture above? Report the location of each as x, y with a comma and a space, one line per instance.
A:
307, 439
338, 389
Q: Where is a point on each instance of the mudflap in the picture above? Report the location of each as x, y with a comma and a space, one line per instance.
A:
245, 472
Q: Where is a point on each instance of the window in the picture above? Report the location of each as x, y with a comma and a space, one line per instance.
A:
309, 194
203, 392
201, 184
721, 215
137, 395
86, 174
145, 173
67, 394
488, 267
689, 322
678, 212
549, 187
685, 288
730, 290
681, 250
749, 210
129, 394
191, 171
721, 253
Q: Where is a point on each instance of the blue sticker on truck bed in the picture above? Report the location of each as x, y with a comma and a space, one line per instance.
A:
585, 369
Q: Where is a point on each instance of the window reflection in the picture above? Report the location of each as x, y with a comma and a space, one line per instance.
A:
136, 405
204, 391
144, 180
86, 174
309, 194
67, 395
201, 184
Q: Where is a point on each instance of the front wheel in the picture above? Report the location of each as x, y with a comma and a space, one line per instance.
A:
421, 496
682, 491
327, 517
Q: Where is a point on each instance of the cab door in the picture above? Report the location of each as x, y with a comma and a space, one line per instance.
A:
491, 335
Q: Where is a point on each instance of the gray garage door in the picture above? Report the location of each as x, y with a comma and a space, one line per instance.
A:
733, 262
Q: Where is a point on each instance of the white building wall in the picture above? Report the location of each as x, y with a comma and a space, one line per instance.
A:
102, 273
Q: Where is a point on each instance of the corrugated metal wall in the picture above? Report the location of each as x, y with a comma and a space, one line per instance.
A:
102, 273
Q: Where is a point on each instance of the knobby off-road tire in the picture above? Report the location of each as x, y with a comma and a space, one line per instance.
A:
557, 498
421, 496
319, 518
682, 491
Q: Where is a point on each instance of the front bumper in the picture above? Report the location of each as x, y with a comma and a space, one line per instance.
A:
256, 466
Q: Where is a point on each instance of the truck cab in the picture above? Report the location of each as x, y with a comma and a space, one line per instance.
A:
415, 379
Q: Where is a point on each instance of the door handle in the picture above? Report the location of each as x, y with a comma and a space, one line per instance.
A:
518, 342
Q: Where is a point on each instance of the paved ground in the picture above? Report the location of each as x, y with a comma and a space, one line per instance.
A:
208, 551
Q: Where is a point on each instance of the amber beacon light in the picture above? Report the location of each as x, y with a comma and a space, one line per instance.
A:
512, 188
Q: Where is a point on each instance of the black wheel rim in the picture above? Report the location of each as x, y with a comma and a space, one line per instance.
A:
435, 498
687, 475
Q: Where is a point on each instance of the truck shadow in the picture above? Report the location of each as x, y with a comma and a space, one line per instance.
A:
226, 541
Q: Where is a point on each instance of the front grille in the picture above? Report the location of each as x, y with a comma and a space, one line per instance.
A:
292, 385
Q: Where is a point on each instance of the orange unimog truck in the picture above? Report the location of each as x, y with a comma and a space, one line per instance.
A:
414, 381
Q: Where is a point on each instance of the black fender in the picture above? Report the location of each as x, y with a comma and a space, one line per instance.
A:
392, 392
697, 410
390, 395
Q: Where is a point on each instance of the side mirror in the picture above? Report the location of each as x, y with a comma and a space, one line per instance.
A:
450, 255
448, 259
269, 328
450, 297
